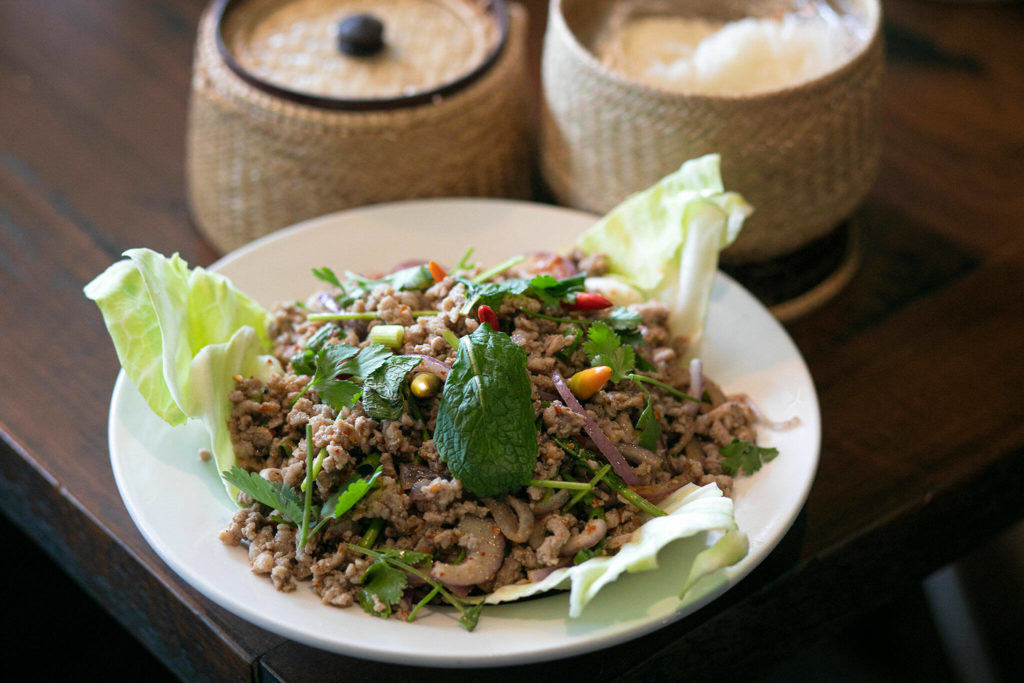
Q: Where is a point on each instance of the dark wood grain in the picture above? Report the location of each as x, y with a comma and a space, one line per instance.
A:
917, 362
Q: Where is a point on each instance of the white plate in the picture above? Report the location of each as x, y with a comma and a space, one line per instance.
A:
179, 505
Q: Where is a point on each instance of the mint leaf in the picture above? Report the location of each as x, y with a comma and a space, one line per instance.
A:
341, 359
746, 456
272, 494
647, 425
414, 278
550, 291
470, 616
603, 347
485, 429
490, 293
383, 586
621, 319
383, 398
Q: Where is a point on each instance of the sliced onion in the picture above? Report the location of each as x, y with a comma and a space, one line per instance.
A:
408, 264
479, 565
433, 365
639, 454
546, 396
759, 416
608, 450
554, 501
328, 302
696, 386
659, 491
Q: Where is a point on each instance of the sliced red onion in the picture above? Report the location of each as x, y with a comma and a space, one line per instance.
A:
328, 302
609, 451
547, 396
408, 264
433, 365
759, 416
696, 386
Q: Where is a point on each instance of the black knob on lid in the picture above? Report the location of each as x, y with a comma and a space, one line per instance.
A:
360, 35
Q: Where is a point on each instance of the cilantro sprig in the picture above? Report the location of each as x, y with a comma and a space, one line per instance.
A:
273, 494
385, 580
544, 287
334, 360
740, 454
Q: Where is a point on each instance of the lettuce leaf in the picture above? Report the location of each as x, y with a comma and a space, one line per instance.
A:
181, 335
691, 511
664, 241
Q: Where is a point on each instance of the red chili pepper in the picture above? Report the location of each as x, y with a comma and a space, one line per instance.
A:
587, 301
486, 314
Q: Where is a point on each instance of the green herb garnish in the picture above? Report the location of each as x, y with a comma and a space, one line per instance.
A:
383, 398
604, 347
344, 500
485, 431
274, 495
410, 562
746, 456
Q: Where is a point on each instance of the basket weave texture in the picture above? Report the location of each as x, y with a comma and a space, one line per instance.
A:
256, 163
803, 156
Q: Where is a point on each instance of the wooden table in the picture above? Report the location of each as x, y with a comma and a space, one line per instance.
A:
918, 361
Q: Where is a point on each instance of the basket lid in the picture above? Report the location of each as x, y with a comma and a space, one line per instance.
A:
360, 54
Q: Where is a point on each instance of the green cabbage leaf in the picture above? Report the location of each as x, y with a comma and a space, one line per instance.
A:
181, 336
692, 511
665, 240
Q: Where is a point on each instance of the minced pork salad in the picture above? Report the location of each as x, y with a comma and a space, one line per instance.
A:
462, 435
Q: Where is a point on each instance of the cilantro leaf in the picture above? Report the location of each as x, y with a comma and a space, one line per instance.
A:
341, 359
329, 358
272, 494
746, 456
368, 360
382, 391
383, 586
339, 393
328, 276
603, 347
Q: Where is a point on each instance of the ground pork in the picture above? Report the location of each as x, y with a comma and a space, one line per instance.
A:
422, 511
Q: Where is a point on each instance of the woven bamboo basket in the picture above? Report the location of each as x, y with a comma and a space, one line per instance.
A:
257, 162
804, 156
